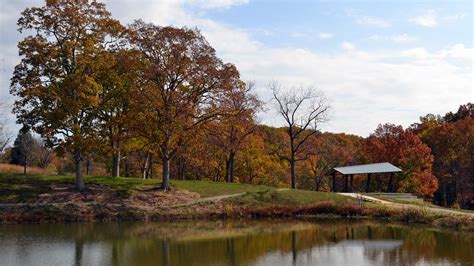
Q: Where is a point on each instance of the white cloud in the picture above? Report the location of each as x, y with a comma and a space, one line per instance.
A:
373, 21
456, 51
419, 52
400, 38
367, 20
454, 18
213, 4
428, 19
347, 46
366, 87
325, 35
403, 38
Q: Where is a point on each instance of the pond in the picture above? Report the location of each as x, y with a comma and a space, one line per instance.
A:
254, 242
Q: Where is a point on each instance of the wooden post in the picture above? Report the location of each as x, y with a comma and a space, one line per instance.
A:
346, 183
390, 185
333, 181
352, 183
367, 186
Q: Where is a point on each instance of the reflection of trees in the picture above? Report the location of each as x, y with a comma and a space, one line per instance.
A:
243, 242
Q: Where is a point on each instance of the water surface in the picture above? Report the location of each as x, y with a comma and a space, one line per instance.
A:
269, 242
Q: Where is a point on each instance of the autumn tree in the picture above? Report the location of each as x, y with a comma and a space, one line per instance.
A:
114, 103
56, 79
231, 130
181, 83
329, 150
451, 141
302, 108
391, 143
250, 165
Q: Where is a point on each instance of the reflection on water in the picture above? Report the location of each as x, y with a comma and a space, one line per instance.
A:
282, 242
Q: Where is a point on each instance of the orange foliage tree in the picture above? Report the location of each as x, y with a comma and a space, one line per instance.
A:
181, 83
391, 143
56, 80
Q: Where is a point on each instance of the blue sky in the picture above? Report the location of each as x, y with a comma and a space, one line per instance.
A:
377, 61
272, 22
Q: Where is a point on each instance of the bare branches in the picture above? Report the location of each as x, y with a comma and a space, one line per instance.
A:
302, 108
5, 136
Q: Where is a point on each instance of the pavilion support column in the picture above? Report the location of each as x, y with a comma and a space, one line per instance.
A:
390, 183
367, 185
346, 183
352, 183
334, 182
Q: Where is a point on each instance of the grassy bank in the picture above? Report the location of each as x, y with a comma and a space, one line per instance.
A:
48, 198
19, 188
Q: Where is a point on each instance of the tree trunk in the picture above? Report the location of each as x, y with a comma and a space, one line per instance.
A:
116, 163
78, 164
293, 175
181, 168
318, 182
334, 182
127, 174
24, 168
444, 191
88, 166
149, 172
229, 171
232, 163
145, 166
165, 184
292, 161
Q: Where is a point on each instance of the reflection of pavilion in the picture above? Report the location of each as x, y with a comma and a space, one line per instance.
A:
372, 244
348, 173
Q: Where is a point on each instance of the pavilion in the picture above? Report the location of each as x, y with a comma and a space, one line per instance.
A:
349, 171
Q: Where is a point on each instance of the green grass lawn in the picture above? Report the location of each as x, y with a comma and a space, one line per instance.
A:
210, 189
288, 197
26, 188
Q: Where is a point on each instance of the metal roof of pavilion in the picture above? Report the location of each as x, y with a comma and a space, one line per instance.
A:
368, 169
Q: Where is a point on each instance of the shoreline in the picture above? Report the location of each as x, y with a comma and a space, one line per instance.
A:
52, 199
93, 212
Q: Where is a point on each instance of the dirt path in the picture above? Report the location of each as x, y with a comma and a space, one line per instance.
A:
216, 198
400, 205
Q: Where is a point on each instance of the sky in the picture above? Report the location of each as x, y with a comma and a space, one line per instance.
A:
376, 61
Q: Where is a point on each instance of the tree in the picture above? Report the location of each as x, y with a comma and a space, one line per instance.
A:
181, 82
391, 143
451, 139
22, 151
329, 150
114, 105
43, 155
230, 131
302, 109
56, 81
4, 135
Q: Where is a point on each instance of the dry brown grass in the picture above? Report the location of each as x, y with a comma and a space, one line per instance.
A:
13, 168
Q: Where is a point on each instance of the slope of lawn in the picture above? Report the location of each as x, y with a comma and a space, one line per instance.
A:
288, 197
26, 188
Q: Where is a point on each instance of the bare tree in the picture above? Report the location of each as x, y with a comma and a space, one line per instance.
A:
302, 108
42, 154
5, 137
